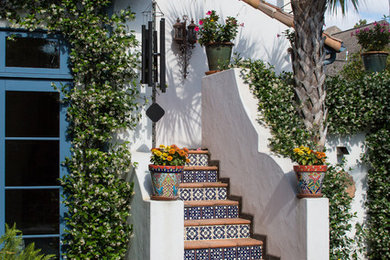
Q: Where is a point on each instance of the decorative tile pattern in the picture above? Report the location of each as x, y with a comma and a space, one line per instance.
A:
220, 212
194, 213
216, 253
202, 254
198, 160
191, 233
199, 176
207, 212
219, 232
189, 254
222, 194
189, 194
211, 193
232, 212
243, 253
232, 231
197, 194
244, 231
212, 176
256, 252
205, 233
230, 253
185, 194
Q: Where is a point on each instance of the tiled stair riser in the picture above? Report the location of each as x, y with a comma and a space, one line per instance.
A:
229, 253
210, 212
199, 176
193, 233
198, 159
190, 194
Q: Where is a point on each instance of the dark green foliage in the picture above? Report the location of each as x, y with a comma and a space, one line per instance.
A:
12, 247
102, 101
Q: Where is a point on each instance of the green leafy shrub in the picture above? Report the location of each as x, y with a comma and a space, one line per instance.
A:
12, 247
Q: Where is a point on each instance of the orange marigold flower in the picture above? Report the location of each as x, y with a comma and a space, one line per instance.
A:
169, 158
182, 153
172, 151
186, 150
187, 160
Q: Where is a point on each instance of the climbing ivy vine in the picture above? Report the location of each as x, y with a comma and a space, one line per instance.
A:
357, 101
102, 100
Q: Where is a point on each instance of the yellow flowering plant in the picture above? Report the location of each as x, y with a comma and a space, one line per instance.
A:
169, 156
305, 156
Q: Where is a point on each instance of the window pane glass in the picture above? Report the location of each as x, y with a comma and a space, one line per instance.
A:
31, 163
32, 114
49, 245
32, 52
34, 211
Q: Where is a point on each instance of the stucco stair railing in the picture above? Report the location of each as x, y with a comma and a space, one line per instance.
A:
212, 226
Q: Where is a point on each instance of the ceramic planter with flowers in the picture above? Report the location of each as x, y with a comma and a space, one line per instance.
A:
310, 171
217, 38
374, 40
166, 169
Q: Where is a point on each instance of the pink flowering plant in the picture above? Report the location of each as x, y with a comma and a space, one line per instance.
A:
375, 38
211, 31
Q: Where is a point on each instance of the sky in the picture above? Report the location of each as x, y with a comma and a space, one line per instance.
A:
371, 10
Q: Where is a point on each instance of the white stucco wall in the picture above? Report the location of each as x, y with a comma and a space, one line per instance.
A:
295, 229
182, 102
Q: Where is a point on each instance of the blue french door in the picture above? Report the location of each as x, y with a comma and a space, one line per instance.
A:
33, 141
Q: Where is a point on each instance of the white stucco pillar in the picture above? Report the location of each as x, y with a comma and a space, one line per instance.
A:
315, 225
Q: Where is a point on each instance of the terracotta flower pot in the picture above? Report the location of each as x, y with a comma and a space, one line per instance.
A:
310, 179
165, 181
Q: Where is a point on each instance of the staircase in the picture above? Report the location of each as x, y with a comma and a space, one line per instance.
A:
212, 227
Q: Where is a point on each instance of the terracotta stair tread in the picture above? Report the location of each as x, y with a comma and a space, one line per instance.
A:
200, 168
202, 185
216, 221
207, 203
221, 243
198, 151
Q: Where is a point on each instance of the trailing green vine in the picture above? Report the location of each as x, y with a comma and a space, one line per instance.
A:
102, 100
279, 110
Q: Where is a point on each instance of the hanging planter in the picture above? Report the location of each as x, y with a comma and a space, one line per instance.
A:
375, 61
218, 55
310, 179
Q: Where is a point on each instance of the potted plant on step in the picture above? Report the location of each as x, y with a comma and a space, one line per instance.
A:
374, 40
166, 169
217, 38
310, 171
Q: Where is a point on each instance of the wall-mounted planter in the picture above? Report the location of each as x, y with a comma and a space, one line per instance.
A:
375, 61
165, 181
310, 179
218, 55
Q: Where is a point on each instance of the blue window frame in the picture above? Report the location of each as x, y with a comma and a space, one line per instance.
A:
33, 139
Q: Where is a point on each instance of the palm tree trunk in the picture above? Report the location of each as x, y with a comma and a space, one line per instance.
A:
308, 65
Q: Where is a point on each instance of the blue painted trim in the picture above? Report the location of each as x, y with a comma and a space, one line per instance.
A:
2, 157
33, 138
32, 187
40, 236
62, 72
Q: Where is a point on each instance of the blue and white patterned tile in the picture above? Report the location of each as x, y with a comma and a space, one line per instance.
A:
194, 213
197, 194
185, 194
186, 209
202, 254
205, 232
244, 231
256, 252
212, 176
211, 194
200, 176
243, 253
191, 233
207, 212
198, 160
189, 254
232, 231
220, 212
221, 194
232, 212
188, 177
230, 253
219, 232
216, 253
